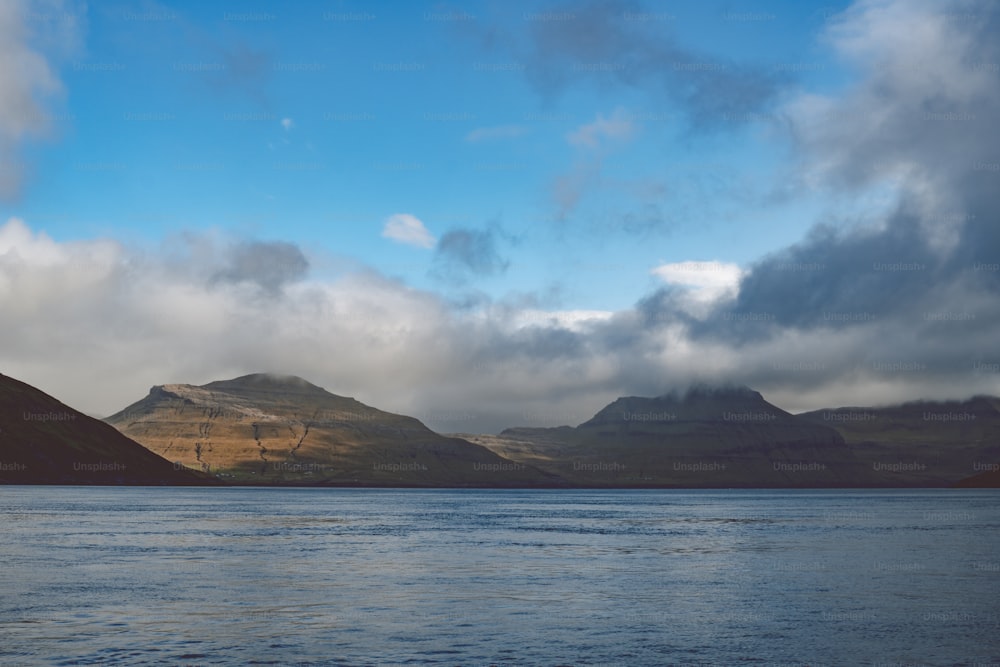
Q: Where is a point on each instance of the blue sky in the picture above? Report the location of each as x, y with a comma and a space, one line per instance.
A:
501, 209
278, 122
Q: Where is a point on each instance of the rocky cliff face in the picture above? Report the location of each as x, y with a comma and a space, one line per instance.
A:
271, 429
706, 437
43, 441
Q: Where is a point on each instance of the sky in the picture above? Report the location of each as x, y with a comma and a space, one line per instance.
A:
493, 214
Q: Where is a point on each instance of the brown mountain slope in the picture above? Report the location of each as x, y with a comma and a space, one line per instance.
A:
43, 441
268, 429
708, 437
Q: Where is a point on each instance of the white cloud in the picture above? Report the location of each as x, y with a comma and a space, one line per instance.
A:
705, 282
496, 132
927, 79
96, 323
571, 320
26, 83
287, 123
618, 126
408, 229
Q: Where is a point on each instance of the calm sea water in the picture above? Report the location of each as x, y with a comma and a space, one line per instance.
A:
142, 576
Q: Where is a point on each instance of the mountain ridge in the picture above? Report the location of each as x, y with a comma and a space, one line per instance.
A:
706, 436
268, 429
287, 430
942, 441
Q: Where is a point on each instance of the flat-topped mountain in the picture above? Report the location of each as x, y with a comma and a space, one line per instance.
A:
43, 441
272, 387
271, 429
706, 437
922, 442
699, 403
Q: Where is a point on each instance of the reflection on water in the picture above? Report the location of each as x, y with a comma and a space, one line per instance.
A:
356, 576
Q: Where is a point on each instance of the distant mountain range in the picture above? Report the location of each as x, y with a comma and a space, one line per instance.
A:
707, 437
268, 429
43, 441
281, 430
732, 437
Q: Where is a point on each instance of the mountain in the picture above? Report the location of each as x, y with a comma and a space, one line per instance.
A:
932, 443
707, 437
43, 441
271, 429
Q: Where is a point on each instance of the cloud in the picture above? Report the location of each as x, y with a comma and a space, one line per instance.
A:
568, 188
246, 69
239, 67
704, 283
599, 46
618, 127
463, 254
595, 140
899, 303
270, 265
595, 43
495, 133
918, 123
98, 322
27, 84
408, 229
287, 123
575, 321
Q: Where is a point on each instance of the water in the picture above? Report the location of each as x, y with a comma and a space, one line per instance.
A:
356, 577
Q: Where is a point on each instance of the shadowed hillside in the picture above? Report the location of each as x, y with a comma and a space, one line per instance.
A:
707, 437
923, 442
43, 441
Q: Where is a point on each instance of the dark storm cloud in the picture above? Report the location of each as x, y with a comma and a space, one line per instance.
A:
909, 297
535, 344
833, 279
930, 132
600, 43
462, 254
269, 264
663, 307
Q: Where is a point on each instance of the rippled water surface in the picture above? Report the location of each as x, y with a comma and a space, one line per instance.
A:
357, 577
